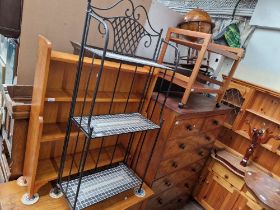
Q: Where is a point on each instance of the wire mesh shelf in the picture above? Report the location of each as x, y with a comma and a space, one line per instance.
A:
108, 125
100, 186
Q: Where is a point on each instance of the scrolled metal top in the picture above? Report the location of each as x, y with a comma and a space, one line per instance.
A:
127, 29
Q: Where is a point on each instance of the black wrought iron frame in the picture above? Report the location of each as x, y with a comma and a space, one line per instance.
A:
104, 29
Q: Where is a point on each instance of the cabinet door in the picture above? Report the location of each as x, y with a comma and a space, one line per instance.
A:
244, 203
216, 193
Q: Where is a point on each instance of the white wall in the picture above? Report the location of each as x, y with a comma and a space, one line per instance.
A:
261, 64
161, 17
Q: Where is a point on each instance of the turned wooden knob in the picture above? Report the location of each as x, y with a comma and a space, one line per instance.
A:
187, 185
226, 176
182, 146
159, 200
174, 164
215, 122
208, 138
201, 153
167, 183
190, 127
193, 169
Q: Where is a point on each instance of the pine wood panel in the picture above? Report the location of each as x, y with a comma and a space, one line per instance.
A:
36, 120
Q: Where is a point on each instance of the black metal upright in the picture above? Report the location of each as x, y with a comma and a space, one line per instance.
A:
85, 188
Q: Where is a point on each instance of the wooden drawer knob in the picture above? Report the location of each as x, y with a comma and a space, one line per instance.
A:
182, 146
208, 138
174, 164
201, 153
179, 200
187, 185
193, 169
190, 127
226, 176
159, 200
215, 122
167, 183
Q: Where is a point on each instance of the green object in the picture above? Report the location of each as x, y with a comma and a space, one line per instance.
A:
232, 36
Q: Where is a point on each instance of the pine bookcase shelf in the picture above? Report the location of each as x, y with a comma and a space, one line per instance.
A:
110, 65
56, 132
271, 119
49, 167
60, 95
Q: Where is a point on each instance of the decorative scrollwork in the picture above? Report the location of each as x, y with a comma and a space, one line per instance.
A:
127, 29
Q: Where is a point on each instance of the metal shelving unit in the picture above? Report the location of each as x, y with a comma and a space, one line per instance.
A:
84, 188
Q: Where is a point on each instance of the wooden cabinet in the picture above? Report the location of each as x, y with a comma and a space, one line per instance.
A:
182, 150
221, 189
254, 104
16, 110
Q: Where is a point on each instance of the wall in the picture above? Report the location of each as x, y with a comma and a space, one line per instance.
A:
60, 21
261, 63
161, 17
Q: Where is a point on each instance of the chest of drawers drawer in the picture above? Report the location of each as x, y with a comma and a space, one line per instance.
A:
179, 177
186, 127
213, 122
177, 203
187, 144
165, 197
171, 165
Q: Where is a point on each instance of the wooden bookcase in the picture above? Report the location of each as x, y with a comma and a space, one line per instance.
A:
52, 95
261, 107
16, 110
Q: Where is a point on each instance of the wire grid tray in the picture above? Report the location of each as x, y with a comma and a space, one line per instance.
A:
124, 58
100, 186
108, 125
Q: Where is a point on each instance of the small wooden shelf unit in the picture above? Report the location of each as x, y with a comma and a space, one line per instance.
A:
260, 107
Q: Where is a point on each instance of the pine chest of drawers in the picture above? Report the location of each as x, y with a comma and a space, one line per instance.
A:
184, 146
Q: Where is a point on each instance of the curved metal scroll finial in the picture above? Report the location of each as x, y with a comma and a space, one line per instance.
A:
127, 29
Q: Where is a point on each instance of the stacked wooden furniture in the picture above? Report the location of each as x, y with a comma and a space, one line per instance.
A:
185, 142
15, 112
258, 105
220, 182
195, 82
53, 87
